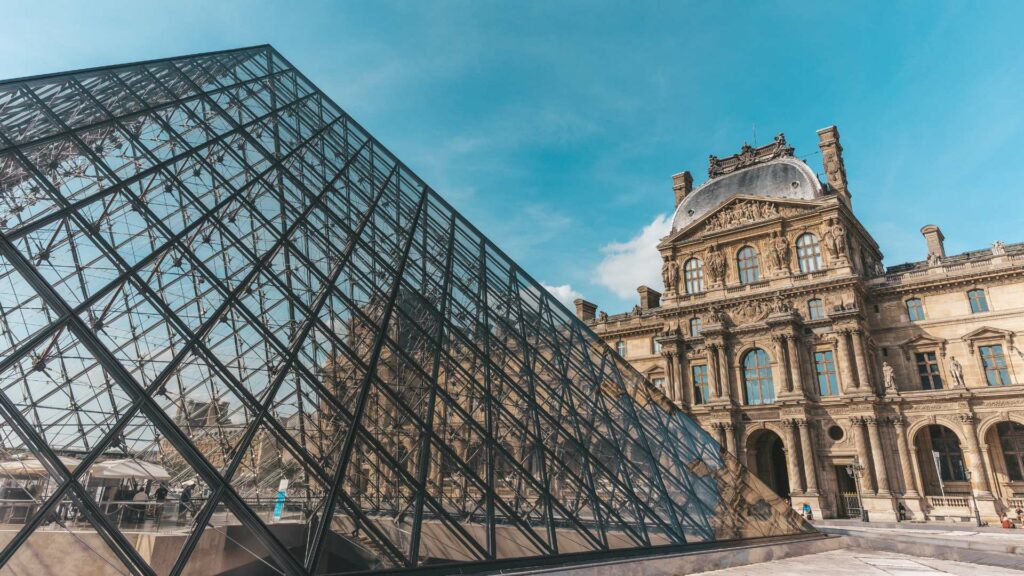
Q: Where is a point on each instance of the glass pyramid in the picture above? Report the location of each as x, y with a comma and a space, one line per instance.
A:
241, 337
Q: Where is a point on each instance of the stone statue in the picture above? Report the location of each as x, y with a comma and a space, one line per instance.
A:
779, 251
839, 237
888, 376
718, 315
666, 274
957, 370
636, 310
603, 316
934, 259
780, 305
714, 263
998, 248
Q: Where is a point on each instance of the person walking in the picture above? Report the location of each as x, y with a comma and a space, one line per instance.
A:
139, 502
185, 503
901, 510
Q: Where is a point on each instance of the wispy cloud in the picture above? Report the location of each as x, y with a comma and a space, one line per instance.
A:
564, 294
635, 262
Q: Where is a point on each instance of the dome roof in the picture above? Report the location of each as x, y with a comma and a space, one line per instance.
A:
779, 178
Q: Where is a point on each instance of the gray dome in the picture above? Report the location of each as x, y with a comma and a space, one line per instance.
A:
780, 178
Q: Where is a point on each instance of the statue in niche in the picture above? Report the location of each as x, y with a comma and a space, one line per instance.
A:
670, 274
839, 237
714, 263
957, 370
888, 376
779, 251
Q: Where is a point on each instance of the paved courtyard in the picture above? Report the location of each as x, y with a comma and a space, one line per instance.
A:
854, 562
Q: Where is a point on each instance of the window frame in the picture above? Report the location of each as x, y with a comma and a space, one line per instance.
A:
950, 454
698, 323
699, 382
620, 348
980, 304
693, 277
808, 253
826, 372
748, 265
655, 346
999, 375
1015, 436
932, 370
815, 304
757, 377
913, 316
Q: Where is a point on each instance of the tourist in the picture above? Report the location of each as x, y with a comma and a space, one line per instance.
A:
807, 512
139, 502
1020, 515
185, 503
1006, 522
901, 510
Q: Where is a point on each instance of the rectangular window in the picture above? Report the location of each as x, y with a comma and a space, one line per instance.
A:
915, 309
825, 366
978, 301
994, 362
815, 309
620, 347
928, 371
655, 346
695, 327
699, 377
659, 383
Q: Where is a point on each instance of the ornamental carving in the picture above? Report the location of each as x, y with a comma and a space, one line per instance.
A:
714, 264
745, 212
749, 156
751, 311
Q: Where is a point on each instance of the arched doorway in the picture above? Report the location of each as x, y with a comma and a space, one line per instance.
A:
766, 456
941, 461
1005, 441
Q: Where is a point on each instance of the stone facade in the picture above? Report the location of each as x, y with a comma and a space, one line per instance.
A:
781, 332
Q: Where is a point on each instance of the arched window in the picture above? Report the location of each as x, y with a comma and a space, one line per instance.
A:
620, 347
808, 253
915, 309
815, 309
757, 377
748, 265
1011, 440
950, 456
693, 275
695, 326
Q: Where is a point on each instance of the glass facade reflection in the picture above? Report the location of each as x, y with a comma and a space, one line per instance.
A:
230, 315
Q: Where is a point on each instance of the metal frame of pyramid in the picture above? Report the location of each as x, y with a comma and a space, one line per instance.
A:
205, 264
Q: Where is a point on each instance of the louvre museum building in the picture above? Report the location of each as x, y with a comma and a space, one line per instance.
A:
840, 382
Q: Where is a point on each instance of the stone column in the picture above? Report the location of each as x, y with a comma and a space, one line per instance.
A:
719, 430
794, 365
868, 480
858, 355
723, 368
843, 360
906, 465
730, 438
878, 457
808, 452
711, 351
796, 482
671, 390
683, 377
979, 480
780, 370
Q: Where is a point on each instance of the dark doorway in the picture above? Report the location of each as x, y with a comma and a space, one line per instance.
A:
849, 501
770, 462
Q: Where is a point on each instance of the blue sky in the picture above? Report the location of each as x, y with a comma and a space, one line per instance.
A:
556, 126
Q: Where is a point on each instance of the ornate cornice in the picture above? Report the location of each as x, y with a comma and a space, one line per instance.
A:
749, 156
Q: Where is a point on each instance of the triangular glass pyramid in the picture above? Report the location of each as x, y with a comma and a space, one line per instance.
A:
333, 370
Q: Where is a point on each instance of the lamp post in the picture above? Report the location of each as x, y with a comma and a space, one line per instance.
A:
855, 470
974, 501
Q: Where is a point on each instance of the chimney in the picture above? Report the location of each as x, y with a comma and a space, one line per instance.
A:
933, 238
585, 310
832, 161
682, 185
649, 298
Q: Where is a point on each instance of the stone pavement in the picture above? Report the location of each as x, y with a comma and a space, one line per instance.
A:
857, 562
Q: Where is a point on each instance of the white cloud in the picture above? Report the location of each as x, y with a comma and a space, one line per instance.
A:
636, 262
564, 294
